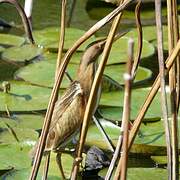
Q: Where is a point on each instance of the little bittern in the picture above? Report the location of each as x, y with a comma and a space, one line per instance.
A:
69, 109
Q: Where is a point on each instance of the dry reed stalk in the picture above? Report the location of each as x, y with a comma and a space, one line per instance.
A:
136, 125
164, 104
46, 166
53, 97
97, 80
60, 50
137, 59
173, 36
27, 26
62, 34
119, 143
122, 173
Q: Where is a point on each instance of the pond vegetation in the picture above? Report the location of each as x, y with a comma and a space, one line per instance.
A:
27, 77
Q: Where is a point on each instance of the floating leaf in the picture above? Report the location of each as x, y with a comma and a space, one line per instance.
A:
111, 112
49, 38
42, 73
149, 34
24, 136
116, 72
119, 50
21, 54
21, 163
2, 48
161, 159
114, 113
4, 121
94, 137
14, 156
152, 134
7, 70
11, 40
116, 98
24, 97
143, 173
23, 121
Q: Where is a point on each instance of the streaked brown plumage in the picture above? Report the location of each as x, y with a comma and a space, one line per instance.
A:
69, 109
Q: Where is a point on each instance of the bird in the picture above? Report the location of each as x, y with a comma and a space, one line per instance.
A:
69, 109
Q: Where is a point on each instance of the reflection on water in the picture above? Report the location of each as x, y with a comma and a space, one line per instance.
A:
45, 13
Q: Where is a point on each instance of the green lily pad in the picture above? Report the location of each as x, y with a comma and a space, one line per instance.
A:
15, 156
36, 73
113, 113
24, 136
7, 70
109, 84
138, 97
22, 54
3, 121
160, 159
11, 40
2, 48
142, 173
23, 121
21, 162
152, 134
49, 38
116, 73
94, 137
119, 50
24, 97
149, 34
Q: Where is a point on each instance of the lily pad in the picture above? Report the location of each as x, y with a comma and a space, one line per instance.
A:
161, 159
4, 121
94, 137
152, 134
21, 162
11, 40
23, 121
24, 97
42, 73
113, 113
23, 136
138, 97
49, 38
2, 48
119, 50
14, 156
116, 73
149, 34
22, 54
142, 173
7, 70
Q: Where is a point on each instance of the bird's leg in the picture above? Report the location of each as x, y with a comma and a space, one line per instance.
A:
58, 160
46, 166
106, 137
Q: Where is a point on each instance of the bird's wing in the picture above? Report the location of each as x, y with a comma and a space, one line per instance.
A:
64, 102
66, 117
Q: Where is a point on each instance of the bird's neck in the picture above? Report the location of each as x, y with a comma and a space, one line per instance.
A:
86, 76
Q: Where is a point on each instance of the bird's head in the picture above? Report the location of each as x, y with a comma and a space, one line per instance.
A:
92, 52
89, 64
